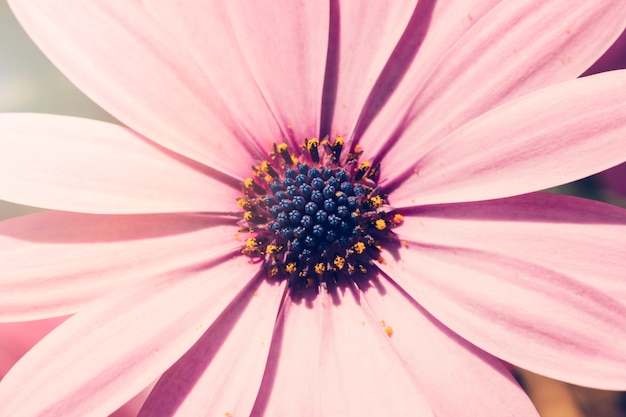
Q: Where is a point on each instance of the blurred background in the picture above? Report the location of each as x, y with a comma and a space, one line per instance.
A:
30, 83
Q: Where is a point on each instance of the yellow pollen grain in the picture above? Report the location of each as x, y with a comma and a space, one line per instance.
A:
338, 141
380, 224
294, 159
388, 331
268, 178
241, 202
282, 147
339, 262
398, 219
272, 249
248, 215
265, 166
273, 271
290, 267
359, 247
320, 268
376, 201
251, 243
313, 142
248, 183
365, 165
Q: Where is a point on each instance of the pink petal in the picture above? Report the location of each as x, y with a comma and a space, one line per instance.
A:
292, 374
206, 31
359, 372
110, 351
55, 263
613, 58
221, 374
526, 314
553, 136
17, 338
494, 61
439, 359
285, 48
96, 167
580, 238
361, 42
421, 48
122, 58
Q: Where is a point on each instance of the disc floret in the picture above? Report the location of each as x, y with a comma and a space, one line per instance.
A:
314, 214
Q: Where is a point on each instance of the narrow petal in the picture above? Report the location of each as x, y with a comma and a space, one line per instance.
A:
361, 42
221, 374
119, 55
285, 48
362, 372
359, 371
494, 61
54, 263
521, 312
439, 359
580, 238
426, 39
109, 352
291, 380
73, 164
206, 31
557, 135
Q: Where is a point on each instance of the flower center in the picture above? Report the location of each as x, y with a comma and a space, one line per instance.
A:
315, 214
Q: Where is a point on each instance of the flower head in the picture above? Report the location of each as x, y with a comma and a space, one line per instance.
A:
316, 208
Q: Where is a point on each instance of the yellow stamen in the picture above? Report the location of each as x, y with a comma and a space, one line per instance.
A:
320, 268
359, 247
339, 262
273, 249
242, 203
398, 219
376, 201
291, 267
248, 183
380, 224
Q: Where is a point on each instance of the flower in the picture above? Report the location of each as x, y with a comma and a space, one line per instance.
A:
164, 242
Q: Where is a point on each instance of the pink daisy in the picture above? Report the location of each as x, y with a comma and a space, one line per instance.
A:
316, 208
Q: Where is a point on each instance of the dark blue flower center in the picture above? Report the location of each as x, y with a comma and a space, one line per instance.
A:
314, 214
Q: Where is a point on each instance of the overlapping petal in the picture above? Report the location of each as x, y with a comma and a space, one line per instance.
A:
96, 167
358, 370
491, 61
285, 49
522, 312
556, 135
205, 29
227, 362
418, 52
295, 347
373, 31
435, 356
54, 263
111, 350
580, 238
141, 74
